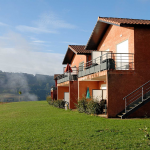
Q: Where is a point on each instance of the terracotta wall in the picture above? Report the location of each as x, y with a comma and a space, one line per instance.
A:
142, 49
61, 90
83, 87
73, 94
77, 59
142, 62
113, 37
141, 112
52, 94
100, 83
121, 83
88, 58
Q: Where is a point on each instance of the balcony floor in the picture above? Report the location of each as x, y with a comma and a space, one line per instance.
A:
99, 76
63, 84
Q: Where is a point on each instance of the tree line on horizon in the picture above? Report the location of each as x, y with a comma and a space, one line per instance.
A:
32, 87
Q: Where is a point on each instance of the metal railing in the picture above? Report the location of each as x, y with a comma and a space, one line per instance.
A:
137, 95
68, 76
122, 61
108, 61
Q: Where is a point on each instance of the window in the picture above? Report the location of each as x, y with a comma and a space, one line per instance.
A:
81, 66
122, 58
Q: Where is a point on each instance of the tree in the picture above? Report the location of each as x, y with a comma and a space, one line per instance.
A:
19, 95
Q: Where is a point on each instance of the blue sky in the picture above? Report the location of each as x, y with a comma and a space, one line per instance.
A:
35, 34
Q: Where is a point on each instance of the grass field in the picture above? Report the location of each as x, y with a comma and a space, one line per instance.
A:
37, 125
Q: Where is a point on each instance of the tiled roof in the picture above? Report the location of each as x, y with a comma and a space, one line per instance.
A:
79, 49
55, 76
124, 21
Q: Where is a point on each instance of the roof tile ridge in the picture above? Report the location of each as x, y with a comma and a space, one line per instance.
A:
76, 45
122, 18
109, 20
72, 49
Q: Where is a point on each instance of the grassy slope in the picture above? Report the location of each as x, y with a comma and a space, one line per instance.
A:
36, 125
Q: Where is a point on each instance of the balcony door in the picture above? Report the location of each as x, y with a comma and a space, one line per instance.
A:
122, 56
66, 97
105, 54
96, 57
98, 95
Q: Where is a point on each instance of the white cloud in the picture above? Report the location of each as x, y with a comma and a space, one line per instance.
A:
17, 55
41, 44
48, 50
3, 24
47, 23
52, 20
39, 41
4, 38
38, 30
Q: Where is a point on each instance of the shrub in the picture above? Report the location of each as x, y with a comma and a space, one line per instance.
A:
102, 105
49, 100
56, 103
93, 107
82, 105
59, 103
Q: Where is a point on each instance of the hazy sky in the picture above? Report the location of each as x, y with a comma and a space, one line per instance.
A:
35, 34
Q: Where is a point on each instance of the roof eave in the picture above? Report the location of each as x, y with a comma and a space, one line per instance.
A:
133, 25
68, 59
99, 30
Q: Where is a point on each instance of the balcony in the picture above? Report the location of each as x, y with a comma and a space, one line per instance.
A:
107, 61
68, 76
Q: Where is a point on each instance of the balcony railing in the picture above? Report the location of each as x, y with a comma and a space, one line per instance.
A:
108, 61
68, 76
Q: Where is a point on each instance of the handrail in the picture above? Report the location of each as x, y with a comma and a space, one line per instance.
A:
136, 90
68, 76
69, 72
133, 97
99, 57
121, 60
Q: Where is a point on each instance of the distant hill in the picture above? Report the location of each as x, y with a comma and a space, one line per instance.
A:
32, 87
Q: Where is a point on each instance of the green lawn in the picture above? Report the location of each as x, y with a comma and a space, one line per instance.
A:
37, 125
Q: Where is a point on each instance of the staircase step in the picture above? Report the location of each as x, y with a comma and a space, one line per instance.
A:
123, 113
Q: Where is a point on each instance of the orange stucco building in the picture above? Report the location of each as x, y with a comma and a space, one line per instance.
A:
67, 86
114, 65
